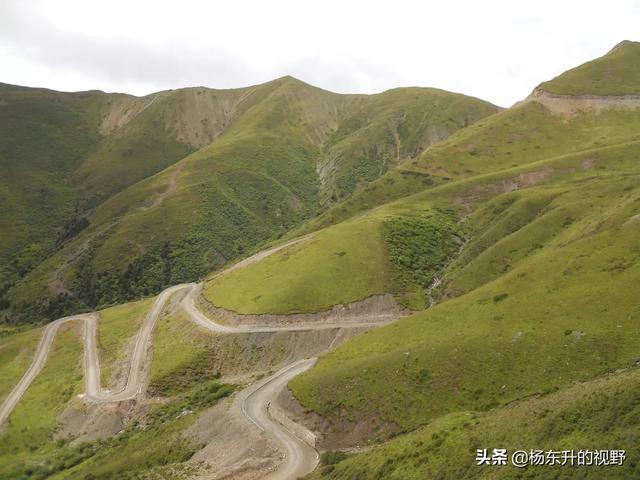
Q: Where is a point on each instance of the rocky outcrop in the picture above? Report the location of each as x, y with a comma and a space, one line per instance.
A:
569, 105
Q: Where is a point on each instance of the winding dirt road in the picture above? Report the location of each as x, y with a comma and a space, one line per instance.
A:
93, 390
39, 360
300, 457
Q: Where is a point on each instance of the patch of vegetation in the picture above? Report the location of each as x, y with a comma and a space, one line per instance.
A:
186, 373
31, 427
420, 246
16, 353
500, 297
203, 395
182, 356
149, 273
328, 461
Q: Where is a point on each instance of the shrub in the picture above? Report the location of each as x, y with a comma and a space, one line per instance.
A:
500, 297
420, 246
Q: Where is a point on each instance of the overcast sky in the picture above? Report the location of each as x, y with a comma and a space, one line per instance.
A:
496, 50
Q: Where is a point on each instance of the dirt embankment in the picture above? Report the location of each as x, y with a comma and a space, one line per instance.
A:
241, 356
377, 308
120, 109
337, 433
234, 448
569, 105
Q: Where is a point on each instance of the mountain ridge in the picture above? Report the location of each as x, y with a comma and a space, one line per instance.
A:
271, 136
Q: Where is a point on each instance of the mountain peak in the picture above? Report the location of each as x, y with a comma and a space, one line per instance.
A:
288, 80
624, 44
615, 73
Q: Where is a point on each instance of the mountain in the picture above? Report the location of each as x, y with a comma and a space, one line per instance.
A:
523, 227
533, 341
111, 197
495, 251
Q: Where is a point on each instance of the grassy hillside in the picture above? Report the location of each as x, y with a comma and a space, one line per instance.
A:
542, 296
311, 276
29, 434
16, 353
45, 136
524, 227
119, 327
512, 150
598, 415
258, 168
615, 73
382, 131
475, 351
385, 251
133, 152
516, 137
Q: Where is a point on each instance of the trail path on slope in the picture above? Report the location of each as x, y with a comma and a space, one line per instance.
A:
299, 457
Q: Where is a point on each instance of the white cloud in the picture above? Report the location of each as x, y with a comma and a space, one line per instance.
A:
492, 49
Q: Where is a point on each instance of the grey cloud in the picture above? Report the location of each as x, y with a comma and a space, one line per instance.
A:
171, 63
119, 59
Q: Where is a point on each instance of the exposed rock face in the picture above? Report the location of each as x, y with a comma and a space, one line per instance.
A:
569, 105
381, 308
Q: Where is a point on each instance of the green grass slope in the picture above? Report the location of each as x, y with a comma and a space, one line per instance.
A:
16, 353
476, 351
514, 149
381, 131
542, 296
45, 136
600, 414
119, 327
515, 137
29, 434
395, 250
615, 73
342, 264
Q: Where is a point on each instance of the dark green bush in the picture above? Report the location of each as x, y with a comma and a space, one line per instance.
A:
421, 246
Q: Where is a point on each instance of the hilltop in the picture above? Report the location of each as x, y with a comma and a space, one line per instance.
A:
615, 73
